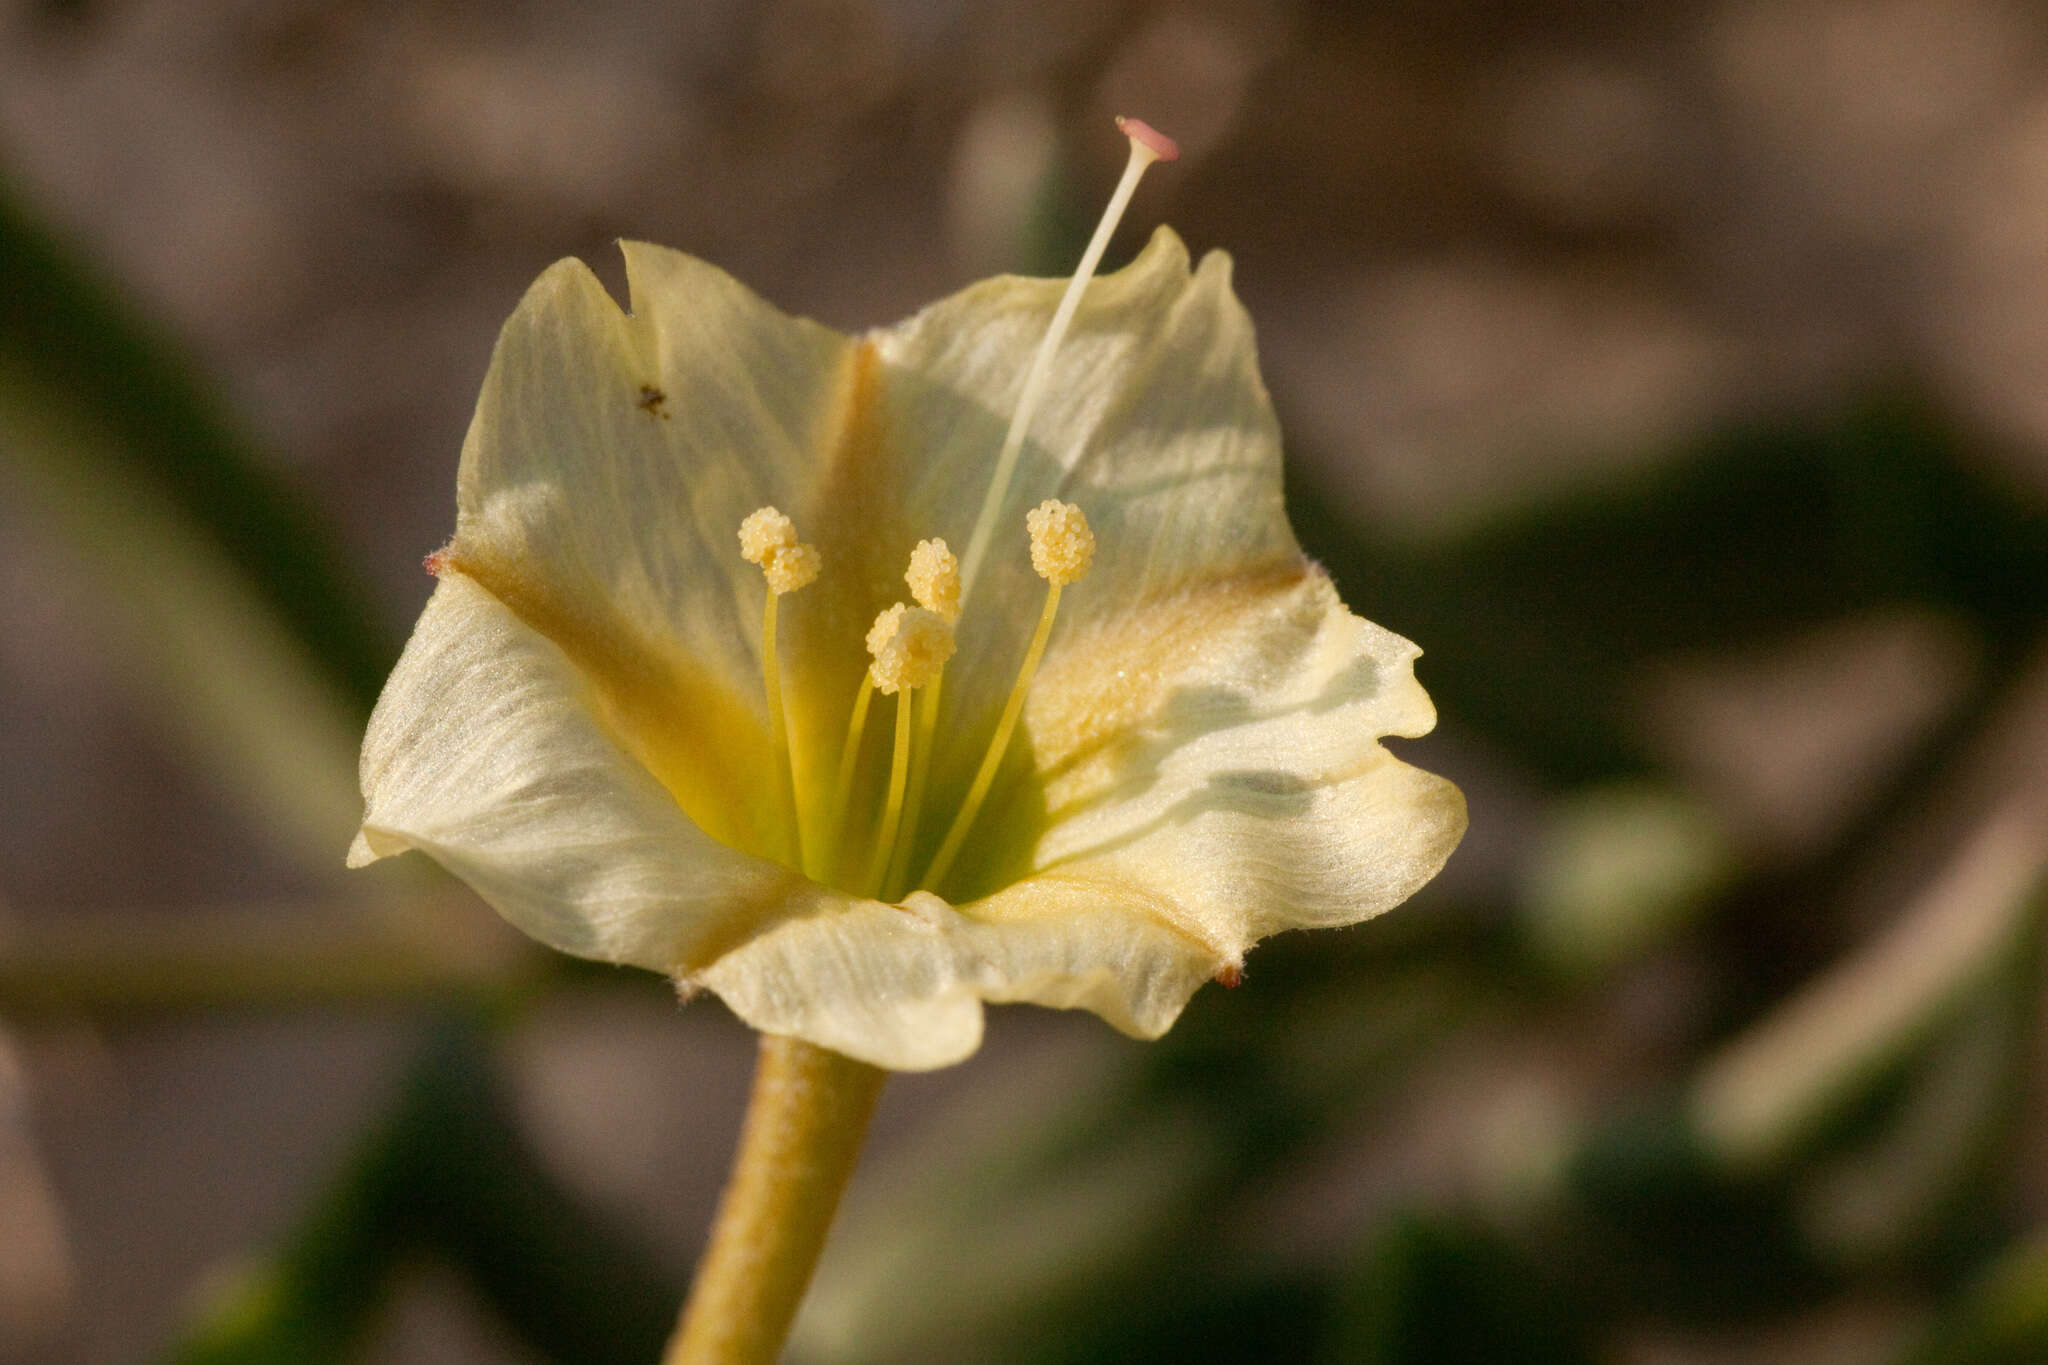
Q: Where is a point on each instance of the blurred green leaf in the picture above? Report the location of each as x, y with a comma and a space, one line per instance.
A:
2001, 1319
446, 1176
67, 342
220, 596
1217, 1314
1534, 624
1920, 1182
1774, 1088
1436, 1291
1659, 1224
1618, 870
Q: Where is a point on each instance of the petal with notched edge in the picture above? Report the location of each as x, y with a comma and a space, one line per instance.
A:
610, 462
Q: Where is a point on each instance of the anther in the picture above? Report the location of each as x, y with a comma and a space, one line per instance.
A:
763, 533
1062, 546
884, 628
934, 578
789, 567
910, 645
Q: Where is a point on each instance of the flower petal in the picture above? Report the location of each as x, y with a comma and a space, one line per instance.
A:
902, 987
485, 753
607, 470
1214, 761
1157, 425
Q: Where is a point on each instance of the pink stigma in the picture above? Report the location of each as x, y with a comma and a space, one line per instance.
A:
1160, 145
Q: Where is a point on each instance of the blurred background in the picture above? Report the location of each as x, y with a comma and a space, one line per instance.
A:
1676, 375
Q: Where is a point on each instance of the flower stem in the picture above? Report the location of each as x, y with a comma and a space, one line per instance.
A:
803, 1133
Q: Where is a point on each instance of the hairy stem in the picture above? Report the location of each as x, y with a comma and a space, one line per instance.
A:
805, 1123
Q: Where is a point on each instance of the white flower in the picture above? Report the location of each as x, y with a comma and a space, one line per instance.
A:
579, 728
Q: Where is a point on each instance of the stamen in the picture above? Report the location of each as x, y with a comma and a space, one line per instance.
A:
768, 538
934, 579
879, 636
849, 758
910, 645
920, 778
892, 809
1147, 146
1062, 548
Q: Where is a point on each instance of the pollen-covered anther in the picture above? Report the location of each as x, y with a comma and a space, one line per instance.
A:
790, 567
1062, 546
763, 533
910, 645
768, 538
884, 628
934, 578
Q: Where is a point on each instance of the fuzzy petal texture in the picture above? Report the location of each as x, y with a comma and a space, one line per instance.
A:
577, 728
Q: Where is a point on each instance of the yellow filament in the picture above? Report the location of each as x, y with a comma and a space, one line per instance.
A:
920, 774
849, 758
778, 734
1041, 365
892, 811
998, 743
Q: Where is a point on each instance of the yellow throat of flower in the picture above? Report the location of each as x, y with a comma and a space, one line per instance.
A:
912, 645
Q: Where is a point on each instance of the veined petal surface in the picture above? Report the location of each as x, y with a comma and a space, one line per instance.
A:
487, 753
603, 480
1214, 761
1156, 423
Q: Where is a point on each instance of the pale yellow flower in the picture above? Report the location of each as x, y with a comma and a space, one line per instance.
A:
579, 727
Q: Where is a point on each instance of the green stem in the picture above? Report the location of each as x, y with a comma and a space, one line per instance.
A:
803, 1133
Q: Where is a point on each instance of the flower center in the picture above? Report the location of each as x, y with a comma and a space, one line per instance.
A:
910, 645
